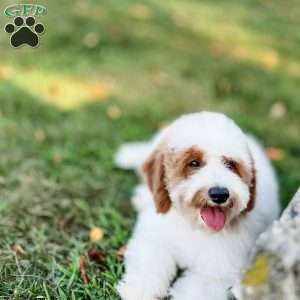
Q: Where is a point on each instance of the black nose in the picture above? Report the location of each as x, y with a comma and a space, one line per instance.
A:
218, 195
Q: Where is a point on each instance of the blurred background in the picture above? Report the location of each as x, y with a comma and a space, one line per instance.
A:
112, 71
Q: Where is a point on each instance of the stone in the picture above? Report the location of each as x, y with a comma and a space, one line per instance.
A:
274, 272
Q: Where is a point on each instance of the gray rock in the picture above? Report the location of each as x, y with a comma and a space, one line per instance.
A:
274, 273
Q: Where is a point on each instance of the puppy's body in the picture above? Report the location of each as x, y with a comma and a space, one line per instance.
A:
185, 228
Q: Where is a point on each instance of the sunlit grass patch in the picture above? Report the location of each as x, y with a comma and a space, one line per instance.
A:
61, 90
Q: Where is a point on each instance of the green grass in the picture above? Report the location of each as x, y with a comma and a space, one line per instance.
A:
151, 62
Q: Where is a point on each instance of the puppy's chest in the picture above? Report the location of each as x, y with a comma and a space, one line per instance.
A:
210, 254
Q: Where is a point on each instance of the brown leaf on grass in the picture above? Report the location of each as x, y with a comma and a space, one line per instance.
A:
121, 253
18, 249
5, 72
114, 112
96, 256
98, 91
278, 110
96, 234
275, 153
82, 269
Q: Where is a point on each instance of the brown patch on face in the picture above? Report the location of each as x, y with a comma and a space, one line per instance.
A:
187, 162
199, 199
237, 167
154, 170
248, 176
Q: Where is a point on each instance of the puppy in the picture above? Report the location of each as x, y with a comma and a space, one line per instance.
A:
209, 191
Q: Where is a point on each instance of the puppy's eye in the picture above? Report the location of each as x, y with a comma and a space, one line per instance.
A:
195, 164
230, 164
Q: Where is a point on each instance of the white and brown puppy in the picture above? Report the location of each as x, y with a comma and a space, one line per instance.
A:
214, 191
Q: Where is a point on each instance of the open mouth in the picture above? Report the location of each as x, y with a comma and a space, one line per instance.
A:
214, 217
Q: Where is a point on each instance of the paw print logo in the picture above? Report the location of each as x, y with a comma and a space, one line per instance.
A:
24, 31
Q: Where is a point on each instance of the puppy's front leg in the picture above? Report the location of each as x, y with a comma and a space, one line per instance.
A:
193, 286
149, 268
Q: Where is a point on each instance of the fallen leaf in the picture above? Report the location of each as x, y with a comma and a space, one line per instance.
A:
98, 91
121, 253
5, 72
114, 112
91, 39
270, 59
18, 249
82, 269
96, 234
96, 256
40, 135
278, 110
275, 153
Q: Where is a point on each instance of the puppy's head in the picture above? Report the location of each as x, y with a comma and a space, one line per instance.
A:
203, 168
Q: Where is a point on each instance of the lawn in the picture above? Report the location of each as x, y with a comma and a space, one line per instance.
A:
113, 71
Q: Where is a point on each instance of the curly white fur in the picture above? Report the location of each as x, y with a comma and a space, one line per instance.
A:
161, 243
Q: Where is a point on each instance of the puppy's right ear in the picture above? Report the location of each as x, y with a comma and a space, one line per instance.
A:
154, 170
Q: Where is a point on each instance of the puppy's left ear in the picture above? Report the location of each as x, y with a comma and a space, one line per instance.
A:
154, 170
252, 185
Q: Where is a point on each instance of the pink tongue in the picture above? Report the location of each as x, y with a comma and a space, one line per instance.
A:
213, 217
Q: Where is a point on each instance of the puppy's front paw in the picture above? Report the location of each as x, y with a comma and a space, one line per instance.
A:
131, 292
